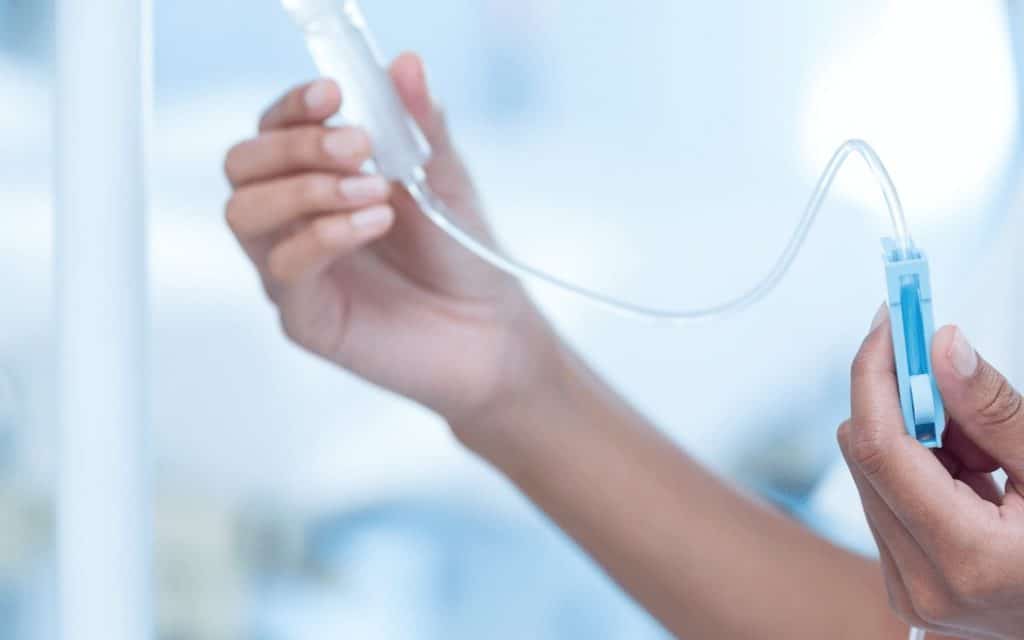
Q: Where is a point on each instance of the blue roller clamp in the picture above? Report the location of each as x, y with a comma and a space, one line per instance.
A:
913, 325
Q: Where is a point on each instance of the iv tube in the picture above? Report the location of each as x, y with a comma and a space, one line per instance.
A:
339, 39
439, 214
341, 44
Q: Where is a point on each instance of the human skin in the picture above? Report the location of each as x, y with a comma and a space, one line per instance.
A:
362, 279
951, 540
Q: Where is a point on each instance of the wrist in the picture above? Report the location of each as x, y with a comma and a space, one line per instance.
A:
536, 399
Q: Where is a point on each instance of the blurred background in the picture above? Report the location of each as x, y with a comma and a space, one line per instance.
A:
666, 150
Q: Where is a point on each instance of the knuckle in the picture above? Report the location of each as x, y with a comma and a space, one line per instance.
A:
288, 327
233, 214
231, 162
270, 290
277, 268
269, 116
299, 328
844, 434
1001, 404
278, 110
301, 147
266, 120
866, 448
325, 233
314, 192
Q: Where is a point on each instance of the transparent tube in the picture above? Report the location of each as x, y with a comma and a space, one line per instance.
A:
917, 634
435, 209
341, 44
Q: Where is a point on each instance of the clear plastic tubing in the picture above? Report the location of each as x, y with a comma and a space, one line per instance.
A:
339, 39
343, 49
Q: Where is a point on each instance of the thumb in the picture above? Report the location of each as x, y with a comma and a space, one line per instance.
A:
410, 77
446, 172
987, 409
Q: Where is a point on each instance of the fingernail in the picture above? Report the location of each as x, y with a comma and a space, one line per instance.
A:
962, 355
365, 189
880, 316
318, 95
344, 144
372, 219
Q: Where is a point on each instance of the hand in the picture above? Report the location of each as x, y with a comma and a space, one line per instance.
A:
360, 277
951, 542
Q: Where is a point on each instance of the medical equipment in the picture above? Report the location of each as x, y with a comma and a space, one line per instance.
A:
339, 39
337, 35
910, 309
341, 44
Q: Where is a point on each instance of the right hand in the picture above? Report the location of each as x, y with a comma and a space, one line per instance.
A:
360, 276
951, 541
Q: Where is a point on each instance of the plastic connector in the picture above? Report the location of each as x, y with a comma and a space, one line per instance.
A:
913, 325
343, 48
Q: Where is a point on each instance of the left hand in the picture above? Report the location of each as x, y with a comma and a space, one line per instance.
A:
361, 278
951, 542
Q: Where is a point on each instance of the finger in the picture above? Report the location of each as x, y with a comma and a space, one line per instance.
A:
288, 151
907, 555
913, 483
966, 451
310, 103
268, 206
899, 597
916, 586
446, 172
410, 78
323, 241
1013, 499
981, 482
988, 409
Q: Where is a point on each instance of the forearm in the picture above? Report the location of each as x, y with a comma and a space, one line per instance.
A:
705, 560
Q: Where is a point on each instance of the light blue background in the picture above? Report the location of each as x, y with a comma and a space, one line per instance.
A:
660, 151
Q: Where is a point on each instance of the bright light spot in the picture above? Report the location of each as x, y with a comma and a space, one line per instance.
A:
931, 86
